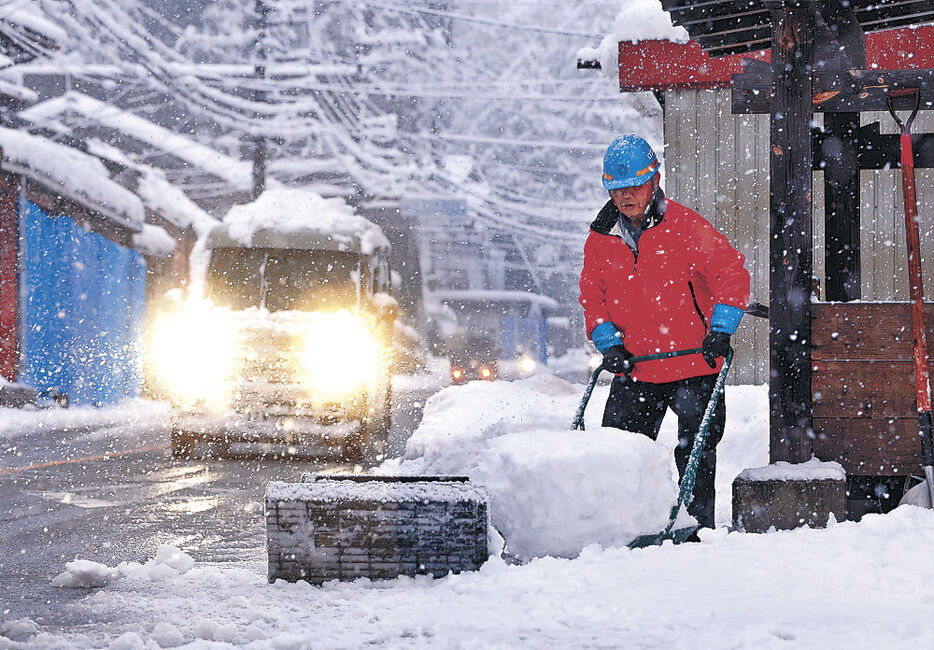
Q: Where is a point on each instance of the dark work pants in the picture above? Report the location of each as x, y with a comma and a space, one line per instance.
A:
639, 407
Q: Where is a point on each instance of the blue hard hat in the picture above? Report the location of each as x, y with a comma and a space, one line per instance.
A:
629, 161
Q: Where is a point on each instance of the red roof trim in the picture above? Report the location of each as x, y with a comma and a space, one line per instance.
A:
662, 65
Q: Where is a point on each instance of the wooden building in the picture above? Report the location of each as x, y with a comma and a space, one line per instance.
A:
777, 129
716, 162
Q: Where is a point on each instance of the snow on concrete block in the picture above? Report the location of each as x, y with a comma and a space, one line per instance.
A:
342, 527
784, 496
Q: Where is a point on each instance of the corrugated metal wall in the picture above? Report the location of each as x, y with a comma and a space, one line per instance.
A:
83, 305
717, 163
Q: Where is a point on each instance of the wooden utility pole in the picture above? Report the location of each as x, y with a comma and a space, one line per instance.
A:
790, 245
259, 142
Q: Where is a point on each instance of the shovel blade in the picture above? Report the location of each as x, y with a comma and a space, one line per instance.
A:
917, 496
676, 536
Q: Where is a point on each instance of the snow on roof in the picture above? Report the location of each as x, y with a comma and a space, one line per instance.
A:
292, 211
72, 173
236, 172
16, 91
493, 295
155, 241
168, 200
25, 13
638, 20
158, 193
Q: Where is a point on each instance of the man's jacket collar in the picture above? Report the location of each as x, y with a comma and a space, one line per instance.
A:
609, 215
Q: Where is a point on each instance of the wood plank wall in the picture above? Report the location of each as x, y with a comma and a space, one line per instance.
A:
717, 163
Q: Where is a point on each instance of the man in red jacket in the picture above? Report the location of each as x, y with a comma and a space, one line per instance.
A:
658, 277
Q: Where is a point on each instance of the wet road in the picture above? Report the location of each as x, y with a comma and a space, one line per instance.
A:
83, 492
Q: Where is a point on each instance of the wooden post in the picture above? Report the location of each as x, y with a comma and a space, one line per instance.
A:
790, 244
840, 158
841, 207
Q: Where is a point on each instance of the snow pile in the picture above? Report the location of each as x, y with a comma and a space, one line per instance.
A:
129, 415
19, 629
77, 175
780, 590
301, 211
637, 20
552, 491
86, 574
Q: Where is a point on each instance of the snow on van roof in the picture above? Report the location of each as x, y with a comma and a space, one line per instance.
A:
74, 174
288, 211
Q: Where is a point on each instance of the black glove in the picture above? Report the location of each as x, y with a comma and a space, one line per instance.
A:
716, 344
616, 360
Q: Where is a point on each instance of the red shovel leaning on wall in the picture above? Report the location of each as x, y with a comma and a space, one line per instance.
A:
922, 494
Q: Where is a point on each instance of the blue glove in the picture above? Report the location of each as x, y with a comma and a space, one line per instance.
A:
604, 336
725, 319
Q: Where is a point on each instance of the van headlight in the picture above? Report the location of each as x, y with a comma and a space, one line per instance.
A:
342, 355
192, 352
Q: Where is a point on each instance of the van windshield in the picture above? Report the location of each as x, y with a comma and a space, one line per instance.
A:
281, 279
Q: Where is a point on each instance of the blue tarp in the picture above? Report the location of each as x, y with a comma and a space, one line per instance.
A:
528, 335
82, 311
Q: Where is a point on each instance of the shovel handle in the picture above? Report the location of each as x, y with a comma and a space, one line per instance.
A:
915, 95
578, 423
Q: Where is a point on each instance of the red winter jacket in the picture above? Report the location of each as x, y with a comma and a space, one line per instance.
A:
663, 300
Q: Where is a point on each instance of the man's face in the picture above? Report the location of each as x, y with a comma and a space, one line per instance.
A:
633, 201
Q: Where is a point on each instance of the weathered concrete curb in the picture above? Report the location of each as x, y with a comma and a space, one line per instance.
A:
784, 496
345, 527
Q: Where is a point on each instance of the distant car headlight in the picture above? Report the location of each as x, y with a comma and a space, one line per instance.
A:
527, 365
192, 352
341, 356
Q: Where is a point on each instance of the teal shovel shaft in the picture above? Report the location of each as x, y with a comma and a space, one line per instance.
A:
686, 488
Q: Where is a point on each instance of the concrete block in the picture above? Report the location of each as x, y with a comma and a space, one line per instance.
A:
345, 527
785, 496
14, 395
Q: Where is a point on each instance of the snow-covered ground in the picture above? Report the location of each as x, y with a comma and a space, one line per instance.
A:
851, 585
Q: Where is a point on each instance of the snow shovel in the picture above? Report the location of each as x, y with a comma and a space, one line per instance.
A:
922, 494
686, 487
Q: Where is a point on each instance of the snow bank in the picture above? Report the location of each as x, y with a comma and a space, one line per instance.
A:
780, 590
18, 422
637, 20
552, 491
85, 574
297, 210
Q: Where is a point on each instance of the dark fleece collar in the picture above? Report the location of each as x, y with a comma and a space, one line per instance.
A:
609, 214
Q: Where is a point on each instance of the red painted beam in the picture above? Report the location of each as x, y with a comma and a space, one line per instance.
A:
663, 65
9, 283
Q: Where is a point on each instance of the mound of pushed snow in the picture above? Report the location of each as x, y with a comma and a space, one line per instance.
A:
552, 491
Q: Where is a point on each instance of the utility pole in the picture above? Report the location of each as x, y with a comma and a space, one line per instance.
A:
261, 11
